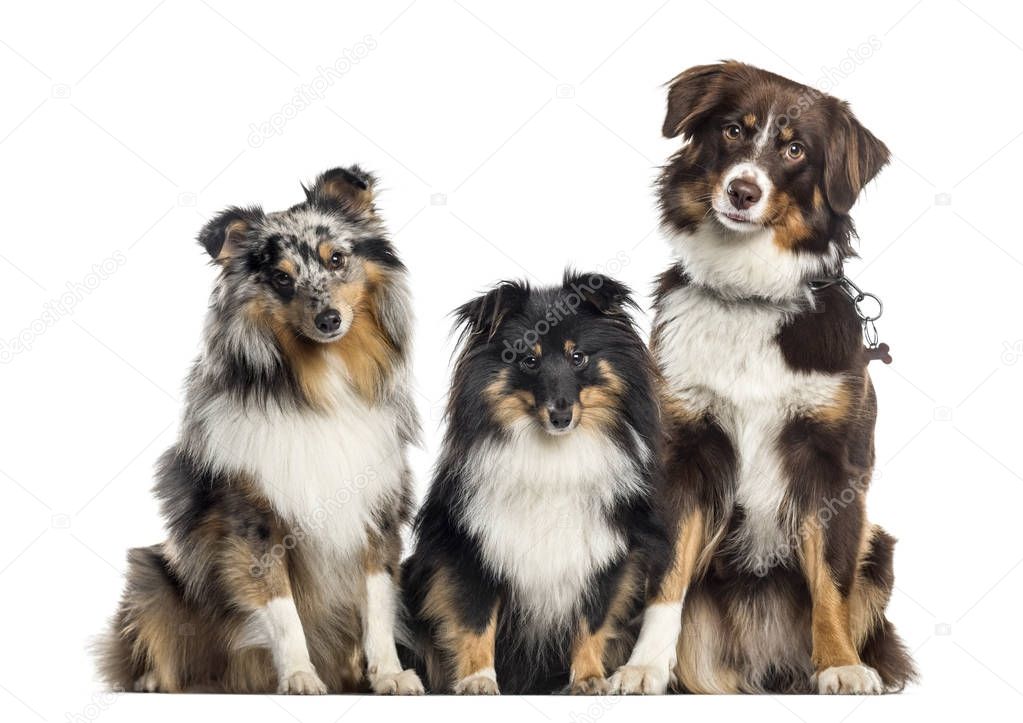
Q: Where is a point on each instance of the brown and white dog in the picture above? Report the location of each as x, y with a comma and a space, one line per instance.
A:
770, 409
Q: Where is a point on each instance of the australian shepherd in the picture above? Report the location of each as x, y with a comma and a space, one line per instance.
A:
286, 493
538, 531
770, 410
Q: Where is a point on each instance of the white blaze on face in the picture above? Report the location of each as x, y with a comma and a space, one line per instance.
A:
749, 170
764, 137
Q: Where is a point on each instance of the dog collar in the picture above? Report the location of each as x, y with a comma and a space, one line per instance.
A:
868, 308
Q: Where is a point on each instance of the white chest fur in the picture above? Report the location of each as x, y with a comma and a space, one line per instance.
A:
538, 506
724, 358
324, 472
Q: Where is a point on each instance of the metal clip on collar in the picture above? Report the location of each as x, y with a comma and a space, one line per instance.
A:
868, 314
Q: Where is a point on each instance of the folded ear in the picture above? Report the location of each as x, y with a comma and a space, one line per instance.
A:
350, 189
853, 157
484, 314
225, 234
692, 96
606, 295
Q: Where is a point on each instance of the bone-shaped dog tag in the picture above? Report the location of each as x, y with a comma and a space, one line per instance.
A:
880, 352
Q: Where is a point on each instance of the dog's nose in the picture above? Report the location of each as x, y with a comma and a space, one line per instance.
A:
743, 194
328, 321
561, 414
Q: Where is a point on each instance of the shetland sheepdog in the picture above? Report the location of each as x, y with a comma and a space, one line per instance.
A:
539, 531
779, 582
286, 493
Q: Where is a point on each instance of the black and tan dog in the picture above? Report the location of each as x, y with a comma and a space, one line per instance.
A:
770, 409
538, 532
286, 493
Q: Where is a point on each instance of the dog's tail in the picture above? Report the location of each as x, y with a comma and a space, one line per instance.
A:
416, 646
882, 648
138, 634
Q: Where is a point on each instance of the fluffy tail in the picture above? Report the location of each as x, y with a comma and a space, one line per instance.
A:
141, 648
882, 648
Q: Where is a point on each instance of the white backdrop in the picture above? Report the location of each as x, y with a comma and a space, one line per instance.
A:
511, 140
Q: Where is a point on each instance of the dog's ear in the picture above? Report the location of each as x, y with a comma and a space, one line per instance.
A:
853, 157
349, 189
225, 234
692, 96
606, 295
484, 314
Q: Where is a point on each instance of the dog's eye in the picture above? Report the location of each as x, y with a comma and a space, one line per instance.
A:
282, 280
579, 359
795, 151
337, 260
732, 131
530, 363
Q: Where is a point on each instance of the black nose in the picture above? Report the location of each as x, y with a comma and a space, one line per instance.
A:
328, 321
743, 194
561, 414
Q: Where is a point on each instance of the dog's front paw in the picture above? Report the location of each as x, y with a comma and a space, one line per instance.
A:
483, 682
592, 685
147, 683
301, 682
638, 680
849, 680
404, 682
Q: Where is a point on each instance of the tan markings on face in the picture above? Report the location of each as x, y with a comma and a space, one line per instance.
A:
305, 357
466, 651
786, 218
786, 134
376, 275
598, 403
288, 267
569, 347
509, 405
694, 197
818, 198
749, 120
537, 350
369, 354
325, 250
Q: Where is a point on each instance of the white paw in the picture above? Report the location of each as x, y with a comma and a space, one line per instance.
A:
147, 683
639, 680
301, 682
404, 682
483, 682
849, 680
